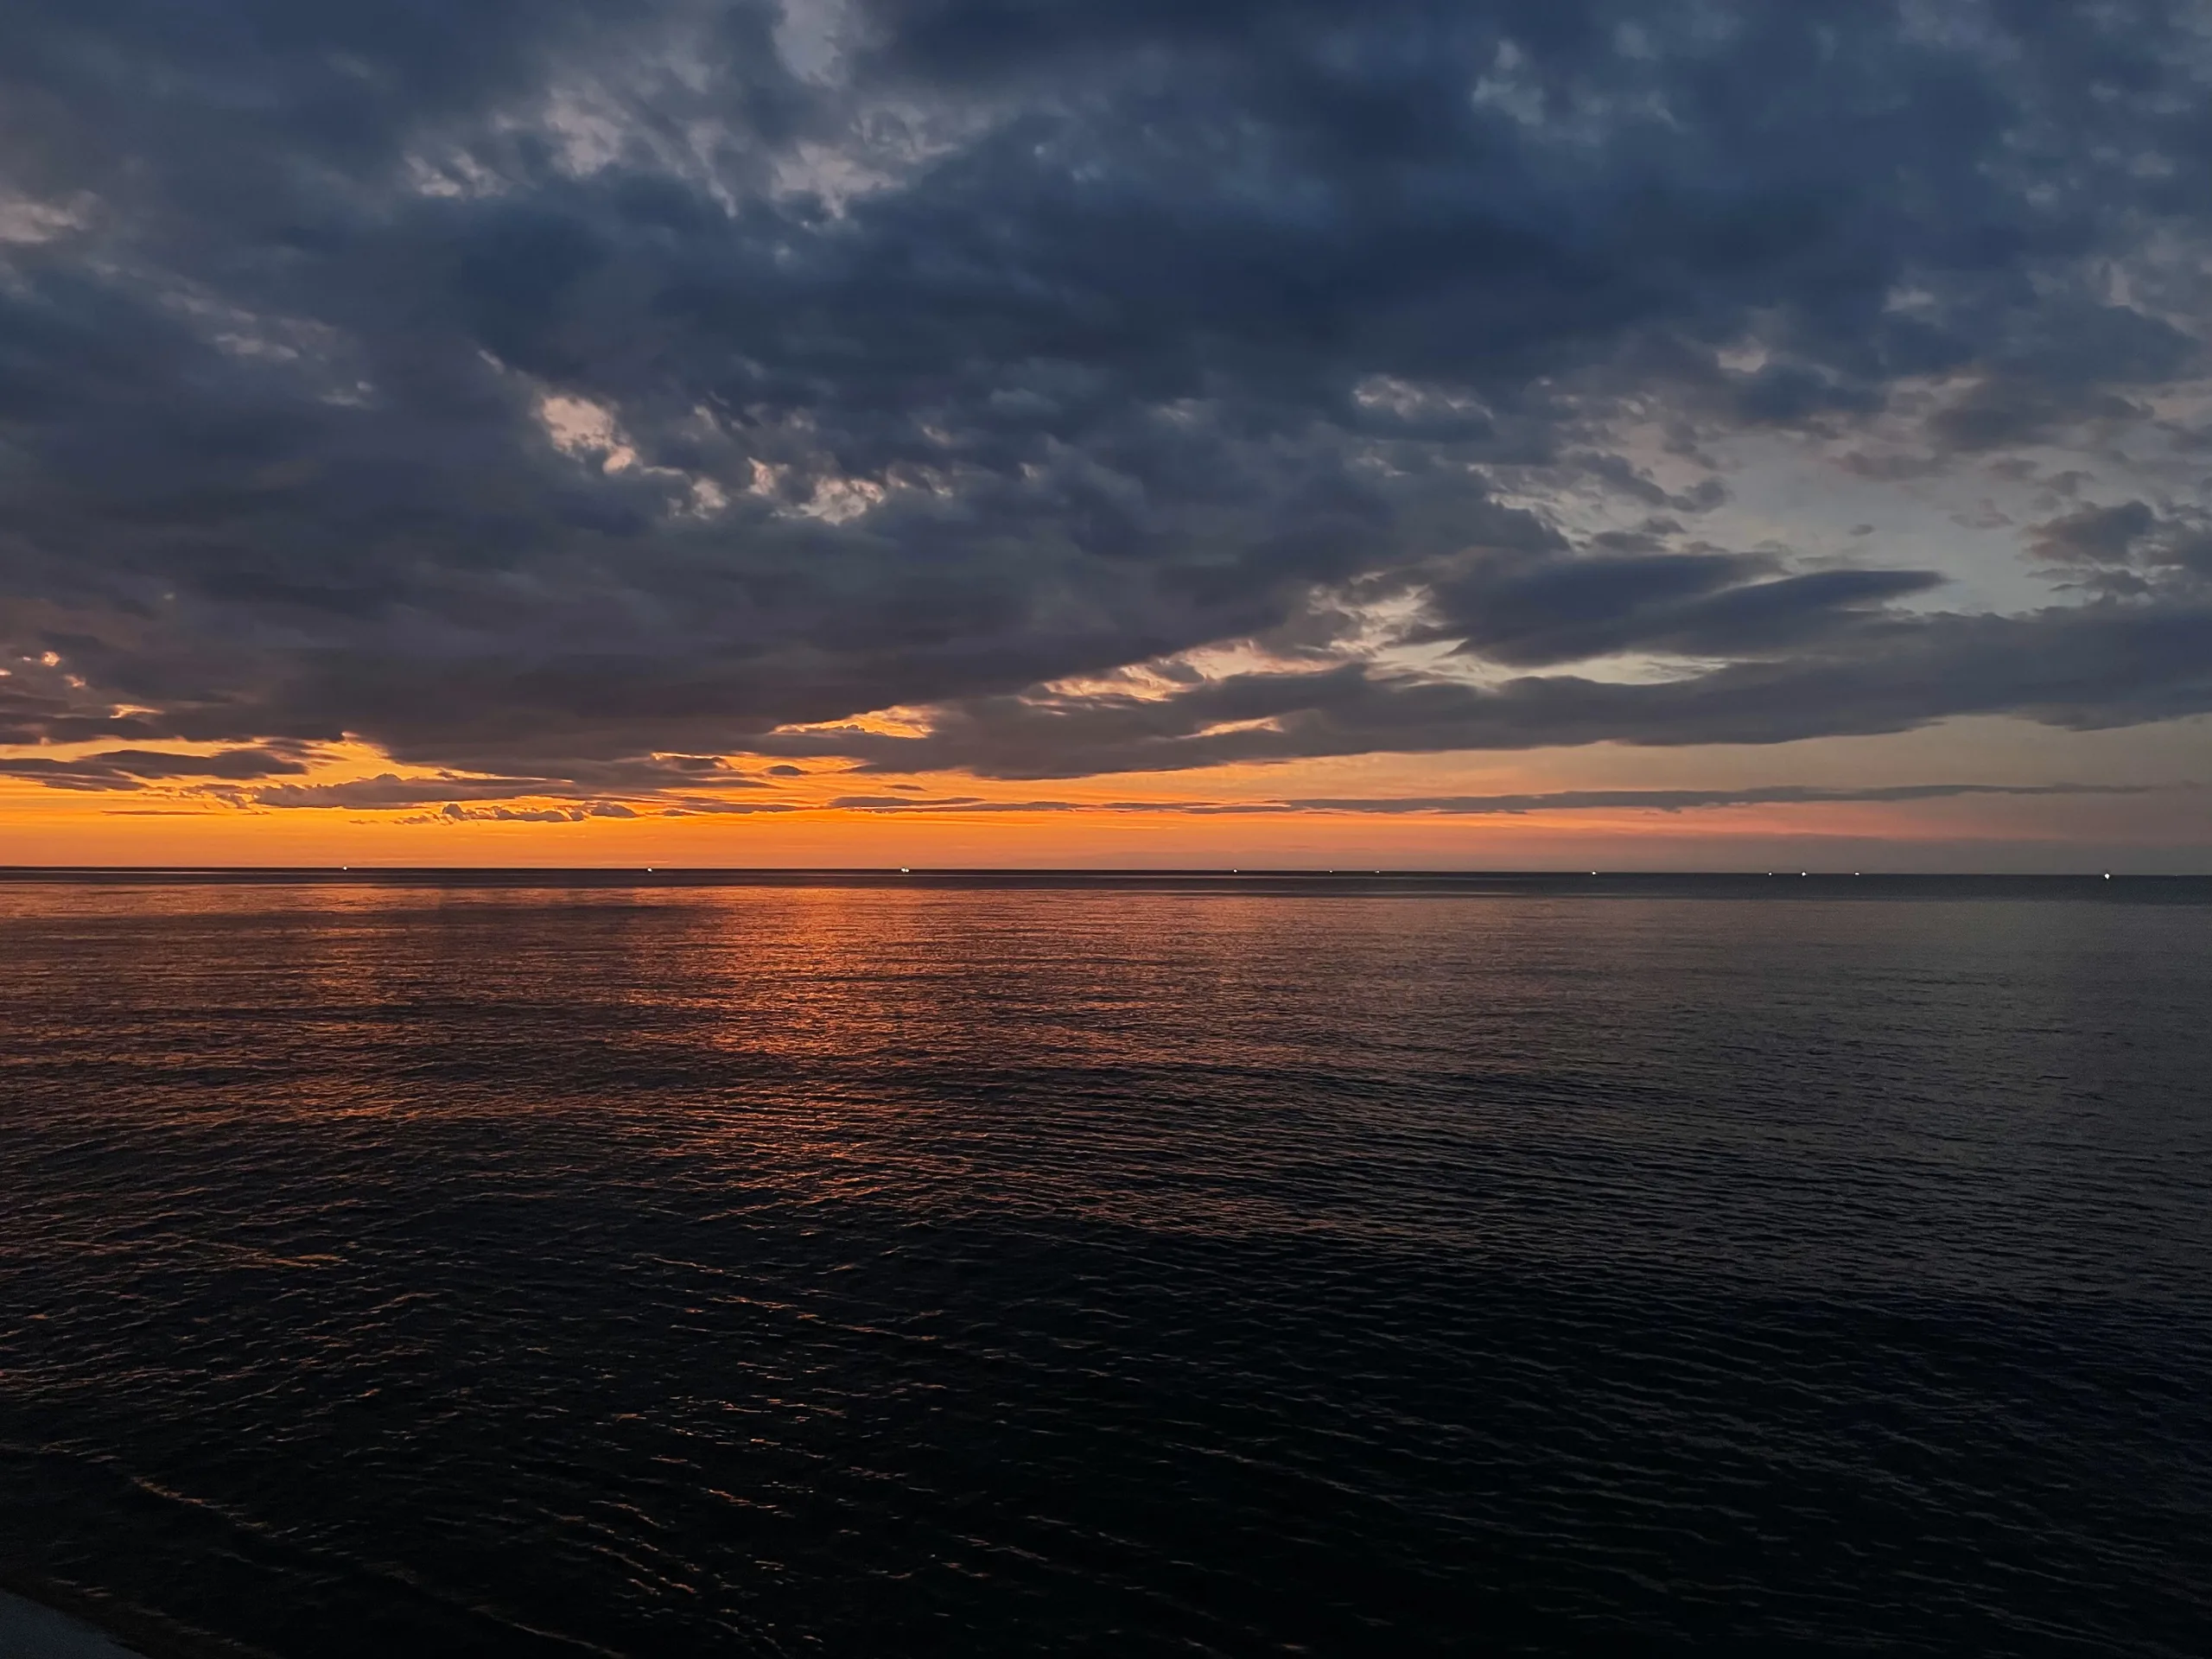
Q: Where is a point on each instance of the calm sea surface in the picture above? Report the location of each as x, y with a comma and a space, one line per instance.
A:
1200, 1267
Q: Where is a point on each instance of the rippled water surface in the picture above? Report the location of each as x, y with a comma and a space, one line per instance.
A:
422, 1269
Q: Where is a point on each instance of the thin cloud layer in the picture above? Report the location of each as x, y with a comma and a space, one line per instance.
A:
538, 392
1486, 806
132, 769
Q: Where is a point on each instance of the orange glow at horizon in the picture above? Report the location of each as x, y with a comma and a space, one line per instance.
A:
789, 822
81, 834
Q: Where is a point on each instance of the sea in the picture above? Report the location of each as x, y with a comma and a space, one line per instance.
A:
867, 1263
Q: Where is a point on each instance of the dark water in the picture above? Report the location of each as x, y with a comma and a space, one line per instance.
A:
1172, 1267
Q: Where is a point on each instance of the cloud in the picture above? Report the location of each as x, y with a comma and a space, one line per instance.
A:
1529, 613
1686, 800
124, 769
2131, 550
1580, 800
538, 392
388, 790
644, 776
2082, 668
455, 812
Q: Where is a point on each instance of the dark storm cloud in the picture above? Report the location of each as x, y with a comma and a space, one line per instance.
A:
526, 389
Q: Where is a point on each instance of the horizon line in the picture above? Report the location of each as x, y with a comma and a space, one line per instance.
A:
885, 871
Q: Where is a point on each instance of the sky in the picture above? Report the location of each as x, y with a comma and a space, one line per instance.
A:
1451, 434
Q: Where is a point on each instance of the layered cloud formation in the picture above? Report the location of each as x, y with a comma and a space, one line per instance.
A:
562, 395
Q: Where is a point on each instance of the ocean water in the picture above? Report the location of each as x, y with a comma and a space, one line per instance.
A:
664, 1267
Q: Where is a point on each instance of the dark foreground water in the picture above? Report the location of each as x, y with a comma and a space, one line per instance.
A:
1173, 1268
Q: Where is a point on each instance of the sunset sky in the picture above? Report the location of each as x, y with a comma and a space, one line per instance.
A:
1530, 434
